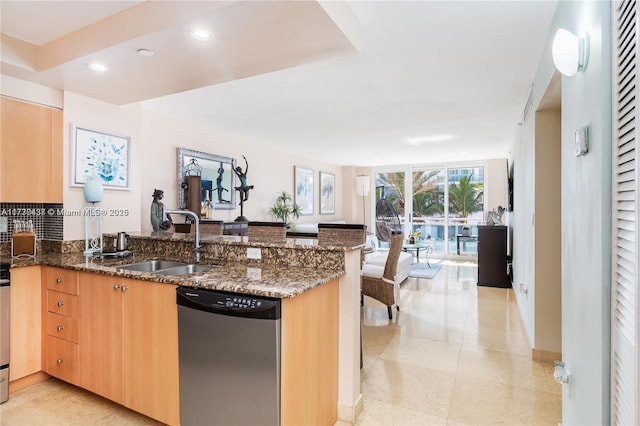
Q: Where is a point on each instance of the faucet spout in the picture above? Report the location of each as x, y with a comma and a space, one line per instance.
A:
196, 236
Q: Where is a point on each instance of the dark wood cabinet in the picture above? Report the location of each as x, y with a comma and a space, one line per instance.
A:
492, 256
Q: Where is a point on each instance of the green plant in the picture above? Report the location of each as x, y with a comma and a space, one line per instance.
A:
285, 209
465, 197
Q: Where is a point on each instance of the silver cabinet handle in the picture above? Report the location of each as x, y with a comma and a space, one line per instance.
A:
58, 280
60, 360
124, 288
60, 303
116, 287
60, 328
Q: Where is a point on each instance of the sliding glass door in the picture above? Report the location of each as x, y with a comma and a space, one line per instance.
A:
445, 204
465, 208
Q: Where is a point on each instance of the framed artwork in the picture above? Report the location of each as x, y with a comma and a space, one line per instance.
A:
106, 155
303, 193
327, 193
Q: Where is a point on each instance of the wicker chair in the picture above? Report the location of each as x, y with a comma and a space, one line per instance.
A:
342, 234
267, 232
382, 287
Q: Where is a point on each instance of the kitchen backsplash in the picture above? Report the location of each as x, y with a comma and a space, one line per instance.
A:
47, 219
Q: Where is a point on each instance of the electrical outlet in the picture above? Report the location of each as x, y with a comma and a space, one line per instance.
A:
254, 253
4, 224
254, 273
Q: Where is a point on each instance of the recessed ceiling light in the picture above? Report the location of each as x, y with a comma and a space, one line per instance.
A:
202, 35
429, 139
97, 67
145, 52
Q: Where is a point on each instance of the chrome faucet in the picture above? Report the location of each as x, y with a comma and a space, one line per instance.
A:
196, 236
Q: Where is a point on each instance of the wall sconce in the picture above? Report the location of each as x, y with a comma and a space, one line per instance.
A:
570, 52
363, 185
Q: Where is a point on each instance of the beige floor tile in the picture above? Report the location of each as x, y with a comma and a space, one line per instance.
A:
497, 340
377, 413
423, 353
409, 386
505, 368
482, 402
54, 402
431, 329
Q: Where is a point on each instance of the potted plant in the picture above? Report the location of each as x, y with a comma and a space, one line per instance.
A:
285, 209
466, 231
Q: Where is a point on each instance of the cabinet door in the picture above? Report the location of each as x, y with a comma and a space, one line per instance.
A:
31, 153
151, 350
100, 335
492, 256
26, 322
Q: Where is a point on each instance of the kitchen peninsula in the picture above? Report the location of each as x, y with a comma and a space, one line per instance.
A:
318, 287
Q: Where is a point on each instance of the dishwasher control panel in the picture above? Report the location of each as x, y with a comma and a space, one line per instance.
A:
241, 302
227, 303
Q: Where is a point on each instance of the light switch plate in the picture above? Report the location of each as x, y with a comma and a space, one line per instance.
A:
4, 224
254, 253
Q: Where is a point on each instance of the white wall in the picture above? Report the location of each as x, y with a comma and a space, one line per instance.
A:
31, 92
495, 183
586, 214
270, 171
121, 120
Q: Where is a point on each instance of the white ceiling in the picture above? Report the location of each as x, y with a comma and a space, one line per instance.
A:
295, 75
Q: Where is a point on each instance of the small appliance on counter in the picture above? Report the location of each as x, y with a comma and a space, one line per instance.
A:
122, 241
119, 248
23, 239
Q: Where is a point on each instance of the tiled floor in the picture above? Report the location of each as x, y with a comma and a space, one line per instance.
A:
456, 354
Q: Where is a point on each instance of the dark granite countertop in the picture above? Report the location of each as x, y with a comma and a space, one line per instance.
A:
247, 277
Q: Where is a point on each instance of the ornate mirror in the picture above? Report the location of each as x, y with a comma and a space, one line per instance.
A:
217, 177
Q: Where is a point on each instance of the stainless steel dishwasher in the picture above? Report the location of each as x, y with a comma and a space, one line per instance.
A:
229, 350
5, 303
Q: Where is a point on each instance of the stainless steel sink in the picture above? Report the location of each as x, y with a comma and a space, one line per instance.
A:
166, 267
151, 265
185, 269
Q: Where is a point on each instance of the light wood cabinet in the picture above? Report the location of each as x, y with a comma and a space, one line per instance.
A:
58, 279
30, 153
26, 322
101, 335
61, 323
310, 334
151, 350
129, 344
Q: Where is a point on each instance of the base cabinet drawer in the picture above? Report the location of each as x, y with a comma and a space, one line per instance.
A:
62, 327
62, 359
63, 280
62, 303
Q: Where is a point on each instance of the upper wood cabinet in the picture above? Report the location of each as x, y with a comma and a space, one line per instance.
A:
30, 153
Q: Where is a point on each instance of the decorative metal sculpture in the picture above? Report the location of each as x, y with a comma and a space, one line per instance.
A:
159, 220
494, 217
243, 189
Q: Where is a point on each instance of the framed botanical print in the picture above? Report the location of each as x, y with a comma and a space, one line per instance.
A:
303, 189
327, 193
105, 155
